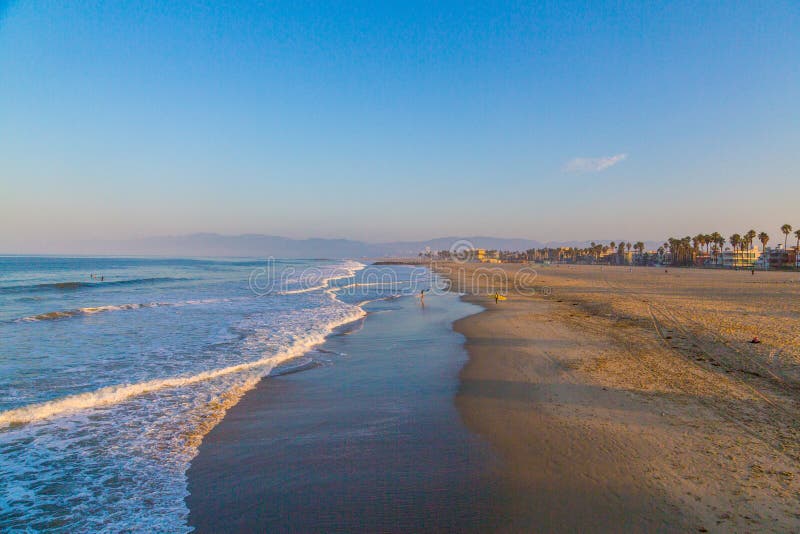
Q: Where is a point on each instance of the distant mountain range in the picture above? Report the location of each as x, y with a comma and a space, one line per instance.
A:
258, 245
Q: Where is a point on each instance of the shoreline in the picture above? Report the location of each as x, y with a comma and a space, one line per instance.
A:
370, 441
567, 411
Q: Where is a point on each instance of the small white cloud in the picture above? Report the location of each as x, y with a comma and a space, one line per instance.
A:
593, 164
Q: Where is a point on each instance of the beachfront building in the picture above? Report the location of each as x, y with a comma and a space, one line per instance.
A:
738, 259
778, 258
511, 256
626, 257
608, 255
701, 259
487, 256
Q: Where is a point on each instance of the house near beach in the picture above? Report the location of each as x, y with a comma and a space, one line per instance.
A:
738, 259
487, 256
777, 258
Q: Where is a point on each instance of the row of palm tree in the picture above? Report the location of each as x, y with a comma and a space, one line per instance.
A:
685, 249
682, 251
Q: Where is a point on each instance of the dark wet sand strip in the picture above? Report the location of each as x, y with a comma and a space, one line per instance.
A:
372, 442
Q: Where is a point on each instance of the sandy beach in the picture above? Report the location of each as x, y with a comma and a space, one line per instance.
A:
632, 398
591, 399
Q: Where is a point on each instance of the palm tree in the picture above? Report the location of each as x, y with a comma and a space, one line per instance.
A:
697, 242
796, 247
639, 246
786, 229
764, 238
750, 236
718, 242
687, 250
735, 240
678, 247
670, 246
681, 250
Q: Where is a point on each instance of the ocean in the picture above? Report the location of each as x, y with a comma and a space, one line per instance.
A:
113, 369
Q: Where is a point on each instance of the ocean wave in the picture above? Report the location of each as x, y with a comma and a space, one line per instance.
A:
317, 287
369, 284
91, 310
119, 393
126, 440
65, 314
350, 269
73, 286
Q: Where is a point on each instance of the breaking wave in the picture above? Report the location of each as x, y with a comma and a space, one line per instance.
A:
119, 407
118, 393
74, 286
91, 310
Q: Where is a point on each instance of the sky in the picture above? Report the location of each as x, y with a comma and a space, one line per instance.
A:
385, 121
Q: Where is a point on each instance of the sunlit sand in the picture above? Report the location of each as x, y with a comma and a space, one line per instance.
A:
637, 394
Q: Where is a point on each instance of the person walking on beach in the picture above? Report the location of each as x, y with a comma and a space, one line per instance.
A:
496, 297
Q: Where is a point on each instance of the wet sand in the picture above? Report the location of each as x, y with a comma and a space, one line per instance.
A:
369, 442
630, 399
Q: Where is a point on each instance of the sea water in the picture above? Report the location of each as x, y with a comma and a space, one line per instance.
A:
113, 369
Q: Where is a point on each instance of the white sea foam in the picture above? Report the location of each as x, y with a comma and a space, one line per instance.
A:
368, 284
91, 310
114, 458
347, 270
304, 290
122, 392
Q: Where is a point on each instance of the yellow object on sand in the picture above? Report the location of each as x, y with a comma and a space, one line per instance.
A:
498, 297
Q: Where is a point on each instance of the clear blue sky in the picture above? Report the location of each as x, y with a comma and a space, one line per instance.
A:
402, 120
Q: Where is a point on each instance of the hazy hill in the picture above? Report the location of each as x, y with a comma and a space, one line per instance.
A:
259, 245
